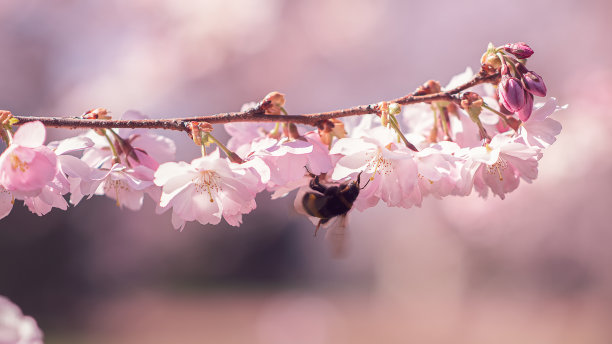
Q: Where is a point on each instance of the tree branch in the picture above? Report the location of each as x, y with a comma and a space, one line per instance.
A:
256, 114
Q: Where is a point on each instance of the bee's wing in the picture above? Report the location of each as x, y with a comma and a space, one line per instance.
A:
297, 203
337, 235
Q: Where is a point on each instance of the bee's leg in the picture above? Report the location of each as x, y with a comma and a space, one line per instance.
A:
316, 185
321, 222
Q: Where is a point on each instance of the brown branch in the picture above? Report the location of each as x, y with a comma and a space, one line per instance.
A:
256, 114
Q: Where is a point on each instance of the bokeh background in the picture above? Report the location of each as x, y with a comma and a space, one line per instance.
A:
534, 268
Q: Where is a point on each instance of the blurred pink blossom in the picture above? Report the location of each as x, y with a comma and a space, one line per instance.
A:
16, 328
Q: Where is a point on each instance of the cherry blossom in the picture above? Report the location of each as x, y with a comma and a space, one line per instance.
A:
541, 130
242, 133
129, 179
149, 149
481, 132
78, 175
127, 186
207, 189
286, 161
49, 197
500, 165
391, 168
418, 119
16, 328
26, 166
439, 169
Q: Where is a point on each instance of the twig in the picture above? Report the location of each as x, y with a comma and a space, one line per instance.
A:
256, 114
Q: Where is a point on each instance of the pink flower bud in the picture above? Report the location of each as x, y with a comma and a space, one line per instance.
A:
534, 84
519, 49
511, 93
524, 112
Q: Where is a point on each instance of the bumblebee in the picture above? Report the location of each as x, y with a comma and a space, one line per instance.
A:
330, 204
330, 201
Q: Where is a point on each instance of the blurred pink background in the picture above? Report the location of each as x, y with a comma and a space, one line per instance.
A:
534, 268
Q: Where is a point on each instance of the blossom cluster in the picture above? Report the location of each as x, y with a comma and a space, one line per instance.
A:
486, 141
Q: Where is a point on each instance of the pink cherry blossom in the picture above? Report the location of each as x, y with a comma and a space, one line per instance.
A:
126, 185
142, 147
439, 169
541, 130
16, 328
285, 159
78, 175
242, 133
26, 166
391, 168
500, 165
48, 198
284, 162
73, 175
279, 161
206, 190
150, 149
127, 181
417, 120
51, 194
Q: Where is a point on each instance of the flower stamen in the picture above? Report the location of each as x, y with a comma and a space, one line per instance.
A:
381, 165
498, 167
16, 163
208, 181
117, 186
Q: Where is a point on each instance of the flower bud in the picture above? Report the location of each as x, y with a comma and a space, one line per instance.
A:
534, 84
273, 102
430, 87
395, 109
197, 128
524, 112
519, 49
472, 103
98, 113
511, 93
491, 61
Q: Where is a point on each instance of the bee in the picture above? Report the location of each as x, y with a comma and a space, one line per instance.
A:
330, 203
